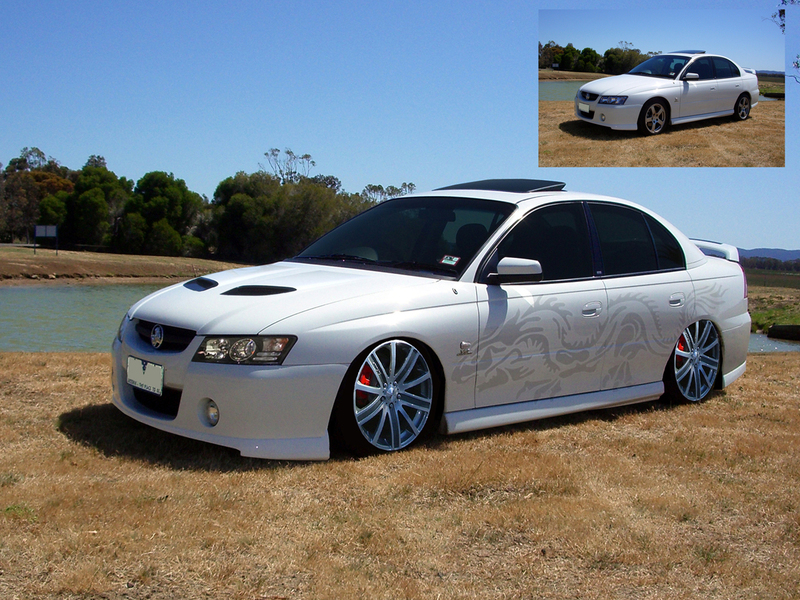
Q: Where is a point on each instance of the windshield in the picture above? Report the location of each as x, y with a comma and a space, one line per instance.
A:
431, 236
664, 65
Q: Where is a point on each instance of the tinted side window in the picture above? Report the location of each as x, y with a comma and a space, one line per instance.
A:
725, 68
702, 66
669, 251
625, 241
556, 236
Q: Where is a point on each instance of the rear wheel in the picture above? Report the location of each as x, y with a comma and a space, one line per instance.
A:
388, 399
742, 109
694, 365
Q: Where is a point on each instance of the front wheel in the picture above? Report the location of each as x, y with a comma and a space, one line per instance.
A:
388, 399
654, 117
742, 109
694, 365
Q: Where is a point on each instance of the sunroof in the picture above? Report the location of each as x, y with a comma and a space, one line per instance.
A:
520, 186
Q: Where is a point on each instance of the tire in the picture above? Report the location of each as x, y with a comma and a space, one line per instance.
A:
389, 399
654, 117
742, 109
693, 367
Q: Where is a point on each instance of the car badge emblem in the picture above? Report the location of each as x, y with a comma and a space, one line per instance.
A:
157, 336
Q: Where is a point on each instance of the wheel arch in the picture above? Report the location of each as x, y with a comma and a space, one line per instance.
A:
429, 355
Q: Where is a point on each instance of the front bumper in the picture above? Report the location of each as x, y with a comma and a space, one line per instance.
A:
623, 117
275, 412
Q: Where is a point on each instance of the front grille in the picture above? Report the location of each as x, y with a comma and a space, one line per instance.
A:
176, 339
167, 404
588, 115
589, 97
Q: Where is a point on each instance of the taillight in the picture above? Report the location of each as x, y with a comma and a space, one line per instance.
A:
744, 278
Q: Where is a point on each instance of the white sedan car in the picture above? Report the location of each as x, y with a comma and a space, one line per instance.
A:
674, 88
472, 306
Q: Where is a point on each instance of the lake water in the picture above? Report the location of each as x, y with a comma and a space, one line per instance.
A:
85, 318
566, 90
65, 318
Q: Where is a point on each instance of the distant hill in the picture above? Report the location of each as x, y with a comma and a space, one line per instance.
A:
772, 73
777, 253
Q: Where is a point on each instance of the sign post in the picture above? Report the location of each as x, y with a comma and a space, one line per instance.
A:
45, 231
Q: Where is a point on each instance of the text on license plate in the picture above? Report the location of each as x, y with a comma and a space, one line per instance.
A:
583, 107
145, 375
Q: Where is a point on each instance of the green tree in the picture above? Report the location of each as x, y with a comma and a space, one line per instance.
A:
53, 209
89, 213
163, 240
258, 219
377, 193
130, 233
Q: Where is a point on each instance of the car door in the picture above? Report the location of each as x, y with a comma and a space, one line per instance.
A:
729, 84
649, 294
698, 96
540, 339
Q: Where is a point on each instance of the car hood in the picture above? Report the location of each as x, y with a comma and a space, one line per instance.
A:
249, 300
625, 85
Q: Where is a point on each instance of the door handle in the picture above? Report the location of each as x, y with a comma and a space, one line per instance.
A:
592, 309
677, 300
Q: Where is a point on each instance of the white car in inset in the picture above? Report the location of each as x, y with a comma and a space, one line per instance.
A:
673, 88
472, 306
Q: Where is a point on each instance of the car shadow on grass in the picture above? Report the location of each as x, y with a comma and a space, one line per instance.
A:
578, 128
113, 434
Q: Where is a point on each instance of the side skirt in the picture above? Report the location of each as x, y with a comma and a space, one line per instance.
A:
508, 414
715, 115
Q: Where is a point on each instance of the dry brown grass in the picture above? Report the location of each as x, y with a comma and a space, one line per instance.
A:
19, 264
653, 501
549, 75
566, 141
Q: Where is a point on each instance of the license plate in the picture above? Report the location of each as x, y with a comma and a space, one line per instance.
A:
583, 107
145, 375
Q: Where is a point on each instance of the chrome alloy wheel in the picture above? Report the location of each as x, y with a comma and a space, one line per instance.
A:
696, 360
743, 107
393, 395
655, 117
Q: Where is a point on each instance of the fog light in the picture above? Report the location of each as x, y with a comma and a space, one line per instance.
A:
602, 117
211, 413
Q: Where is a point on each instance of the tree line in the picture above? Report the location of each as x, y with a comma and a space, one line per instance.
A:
257, 217
613, 61
770, 264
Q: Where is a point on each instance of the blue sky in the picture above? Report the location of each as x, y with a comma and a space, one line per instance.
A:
747, 36
377, 92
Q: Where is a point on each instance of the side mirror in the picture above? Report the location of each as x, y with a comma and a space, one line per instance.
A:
516, 270
691, 77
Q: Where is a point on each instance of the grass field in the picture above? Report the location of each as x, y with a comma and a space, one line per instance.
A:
566, 141
19, 263
652, 501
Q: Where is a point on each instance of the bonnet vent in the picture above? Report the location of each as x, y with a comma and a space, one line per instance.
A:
258, 290
201, 284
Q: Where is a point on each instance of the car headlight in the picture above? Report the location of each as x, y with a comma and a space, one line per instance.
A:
617, 100
244, 350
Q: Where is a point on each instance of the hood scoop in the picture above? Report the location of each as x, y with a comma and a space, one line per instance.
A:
258, 290
200, 284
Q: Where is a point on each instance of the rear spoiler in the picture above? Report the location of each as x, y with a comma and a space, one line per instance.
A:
726, 251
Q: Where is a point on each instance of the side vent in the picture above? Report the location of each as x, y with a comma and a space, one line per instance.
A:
258, 290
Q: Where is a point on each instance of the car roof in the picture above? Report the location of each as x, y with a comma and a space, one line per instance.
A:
520, 186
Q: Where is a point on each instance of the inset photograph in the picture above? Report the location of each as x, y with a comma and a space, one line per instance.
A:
704, 89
